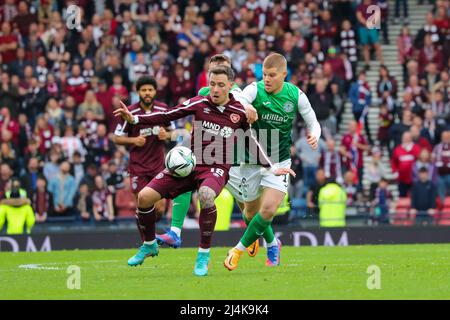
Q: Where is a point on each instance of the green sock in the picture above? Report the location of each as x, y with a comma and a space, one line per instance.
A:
180, 208
268, 234
255, 229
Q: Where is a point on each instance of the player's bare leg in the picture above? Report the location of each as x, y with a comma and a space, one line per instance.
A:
146, 218
207, 221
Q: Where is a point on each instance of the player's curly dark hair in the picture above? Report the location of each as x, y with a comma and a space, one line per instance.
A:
146, 80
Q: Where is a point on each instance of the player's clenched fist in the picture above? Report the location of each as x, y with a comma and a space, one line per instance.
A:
251, 113
312, 141
139, 141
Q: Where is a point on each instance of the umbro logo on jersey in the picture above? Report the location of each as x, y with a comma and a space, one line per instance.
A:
207, 110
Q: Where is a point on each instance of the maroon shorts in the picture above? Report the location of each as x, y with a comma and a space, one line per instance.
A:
170, 187
139, 182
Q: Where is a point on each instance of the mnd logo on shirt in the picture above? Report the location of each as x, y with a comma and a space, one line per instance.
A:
216, 129
149, 131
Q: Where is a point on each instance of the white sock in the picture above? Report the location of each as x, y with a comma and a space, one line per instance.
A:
150, 242
203, 250
176, 230
240, 246
273, 243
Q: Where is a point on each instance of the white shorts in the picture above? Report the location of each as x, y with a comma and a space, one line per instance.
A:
247, 181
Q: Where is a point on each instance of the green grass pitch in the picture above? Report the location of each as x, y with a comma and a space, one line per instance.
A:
406, 272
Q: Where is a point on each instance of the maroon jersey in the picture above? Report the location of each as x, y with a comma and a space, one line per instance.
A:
219, 122
148, 159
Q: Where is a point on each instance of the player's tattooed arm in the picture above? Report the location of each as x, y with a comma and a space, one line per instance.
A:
206, 196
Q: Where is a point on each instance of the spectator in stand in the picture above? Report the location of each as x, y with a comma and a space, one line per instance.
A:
348, 44
430, 29
9, 95
42, 200
387, 88
9, 127
51, 168
83, 201
386, 119
352, 189
5, 175
118, 89
431, 128
397, 11
77, 85
419, 140
8, 44
54, 111
430, 77
384, 17
330, 161
180, 84
424, 161
418, 92
326, 30
368, 34
102, 147
375, 171
29, 180
125, 203
34, 101
353, 145
8, 156
402, 161
440, 108
90, 103
361, 99
43, 133
312, 196
322, 103
71, 143
381, 202
77, 169
441, 160
102, 203
423, 207
405, 49
429, 53
63, 189
114, 181
309, 159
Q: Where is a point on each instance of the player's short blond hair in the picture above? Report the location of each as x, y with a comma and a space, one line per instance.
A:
275, 60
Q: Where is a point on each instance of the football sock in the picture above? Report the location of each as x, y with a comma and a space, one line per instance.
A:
273, 243
150, 242
176, 230
146, 223
207, 222
203, 250
268, 235
255, 229
180, 208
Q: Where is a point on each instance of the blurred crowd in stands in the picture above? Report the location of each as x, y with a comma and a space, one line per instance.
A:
60, 83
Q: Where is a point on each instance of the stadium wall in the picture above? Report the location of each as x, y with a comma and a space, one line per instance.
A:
290, 236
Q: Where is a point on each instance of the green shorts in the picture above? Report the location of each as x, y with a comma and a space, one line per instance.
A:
368, 36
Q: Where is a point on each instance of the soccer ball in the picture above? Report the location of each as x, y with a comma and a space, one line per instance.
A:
180, 161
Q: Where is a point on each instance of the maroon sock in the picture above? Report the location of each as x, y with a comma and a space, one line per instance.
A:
207, 223
141, 233
146, 223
